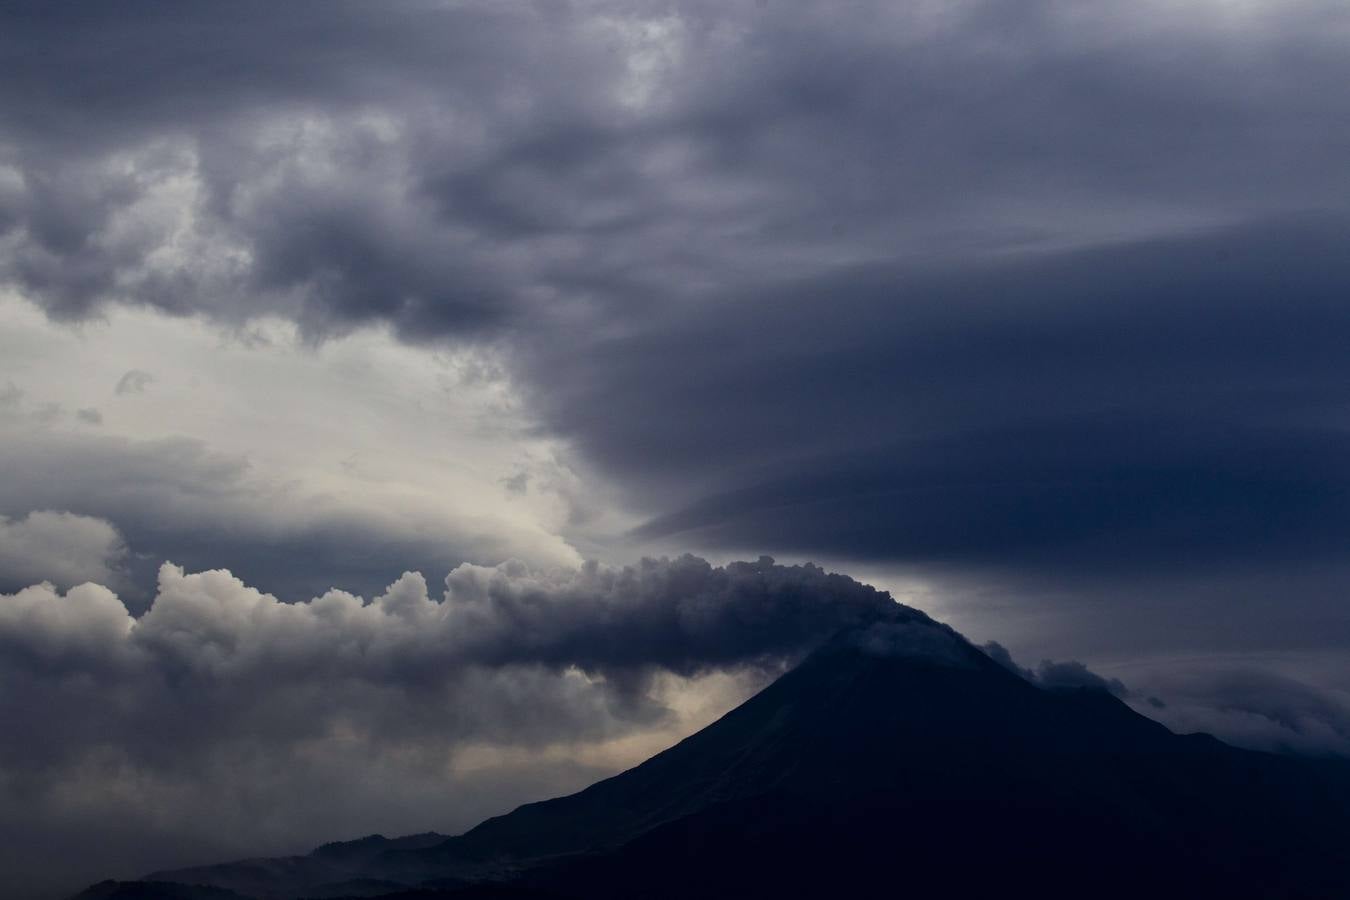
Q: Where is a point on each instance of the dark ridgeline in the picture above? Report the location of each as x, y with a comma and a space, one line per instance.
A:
891, 762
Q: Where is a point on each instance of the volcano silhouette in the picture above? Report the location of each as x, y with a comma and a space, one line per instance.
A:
897, 760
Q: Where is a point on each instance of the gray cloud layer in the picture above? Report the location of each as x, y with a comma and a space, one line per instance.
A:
1248, 704
178, 498
452, 168
1177, 398
1003, 281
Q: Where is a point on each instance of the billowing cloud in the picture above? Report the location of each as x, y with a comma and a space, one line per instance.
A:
1074, 674
682, 615
60, 547
999, 654
182, 718
1056, 675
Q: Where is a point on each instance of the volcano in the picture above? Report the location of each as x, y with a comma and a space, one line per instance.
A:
896, 759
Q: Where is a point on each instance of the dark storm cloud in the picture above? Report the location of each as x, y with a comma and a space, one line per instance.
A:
984, 285
1174, 399
1005, 281
89, 79
454, 169
297, 207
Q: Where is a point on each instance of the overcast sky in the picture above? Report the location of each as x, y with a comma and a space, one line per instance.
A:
1034, 314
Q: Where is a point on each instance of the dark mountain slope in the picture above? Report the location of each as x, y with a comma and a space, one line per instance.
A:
153, 890
899, 758
889, 773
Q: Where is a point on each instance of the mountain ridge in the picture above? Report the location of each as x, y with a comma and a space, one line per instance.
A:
902, 734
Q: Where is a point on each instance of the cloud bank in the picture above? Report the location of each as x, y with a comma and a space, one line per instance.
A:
299, 468
222, 720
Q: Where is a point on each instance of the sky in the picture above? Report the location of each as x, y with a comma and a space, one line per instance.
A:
409, 410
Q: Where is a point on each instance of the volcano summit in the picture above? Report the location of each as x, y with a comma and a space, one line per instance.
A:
896, 758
